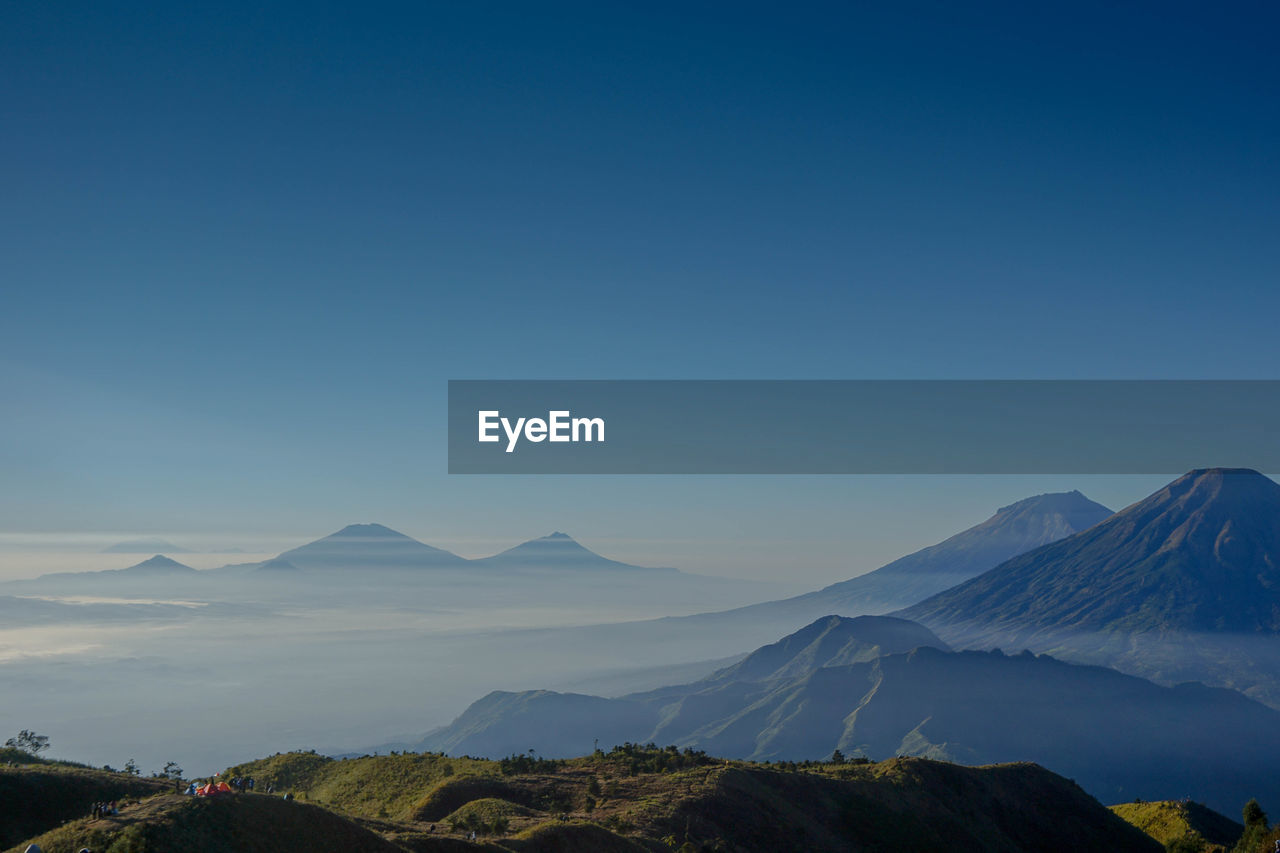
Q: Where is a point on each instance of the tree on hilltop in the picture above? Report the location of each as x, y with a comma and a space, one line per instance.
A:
29, 742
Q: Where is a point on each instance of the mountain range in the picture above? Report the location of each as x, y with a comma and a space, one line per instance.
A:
366, 547
1184, 584
882, 686
1012, 530
681, 640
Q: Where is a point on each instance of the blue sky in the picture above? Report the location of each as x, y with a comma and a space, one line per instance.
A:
245, 247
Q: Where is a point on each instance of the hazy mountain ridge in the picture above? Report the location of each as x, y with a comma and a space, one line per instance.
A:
830, 641
365, 546
555, 551
1119, 735
1012, 530
1184, 584
375, 546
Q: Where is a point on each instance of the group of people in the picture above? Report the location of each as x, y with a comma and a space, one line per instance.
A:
239, 783
104, 809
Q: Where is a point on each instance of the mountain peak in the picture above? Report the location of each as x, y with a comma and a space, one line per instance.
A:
1225, 476
1054, 502
831, 641
1201, 554
556, 551
366, 546
1212, 495
160, 563
368, 530
1214, 482
1014, 529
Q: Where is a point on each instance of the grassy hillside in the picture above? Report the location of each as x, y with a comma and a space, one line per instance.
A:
1181, 586
1168, 821
631, 799
382, 787
651, 797
36, 795
227, 824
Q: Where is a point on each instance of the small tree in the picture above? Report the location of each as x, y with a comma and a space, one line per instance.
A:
1255, 828
173, 771
131, 768
29, 742
1254, 815
837, 757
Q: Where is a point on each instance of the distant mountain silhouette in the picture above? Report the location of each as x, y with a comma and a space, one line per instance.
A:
556, 551
827, 687
157, 565
558, 721
1184, 584
830, 641
1013, 530
146, 546
369, 546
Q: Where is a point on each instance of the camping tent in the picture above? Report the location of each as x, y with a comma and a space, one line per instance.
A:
212, 789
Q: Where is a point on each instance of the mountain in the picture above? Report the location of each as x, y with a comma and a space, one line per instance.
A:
556, 551
830, 641
560, 721
369, 546
135, 578
1012, 530
157, 565
1184, 584
145, 546
851, 684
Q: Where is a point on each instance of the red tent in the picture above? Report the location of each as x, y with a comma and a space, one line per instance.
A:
212, 790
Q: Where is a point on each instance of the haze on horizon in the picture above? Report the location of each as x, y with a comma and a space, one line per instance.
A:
754, 536
175, 657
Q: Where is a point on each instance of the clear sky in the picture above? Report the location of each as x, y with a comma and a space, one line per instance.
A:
244, 247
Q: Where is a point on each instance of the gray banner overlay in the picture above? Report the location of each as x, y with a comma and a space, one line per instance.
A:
864, 426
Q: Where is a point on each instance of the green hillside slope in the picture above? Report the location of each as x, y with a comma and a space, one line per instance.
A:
1168, 821
37, 796
630, 799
